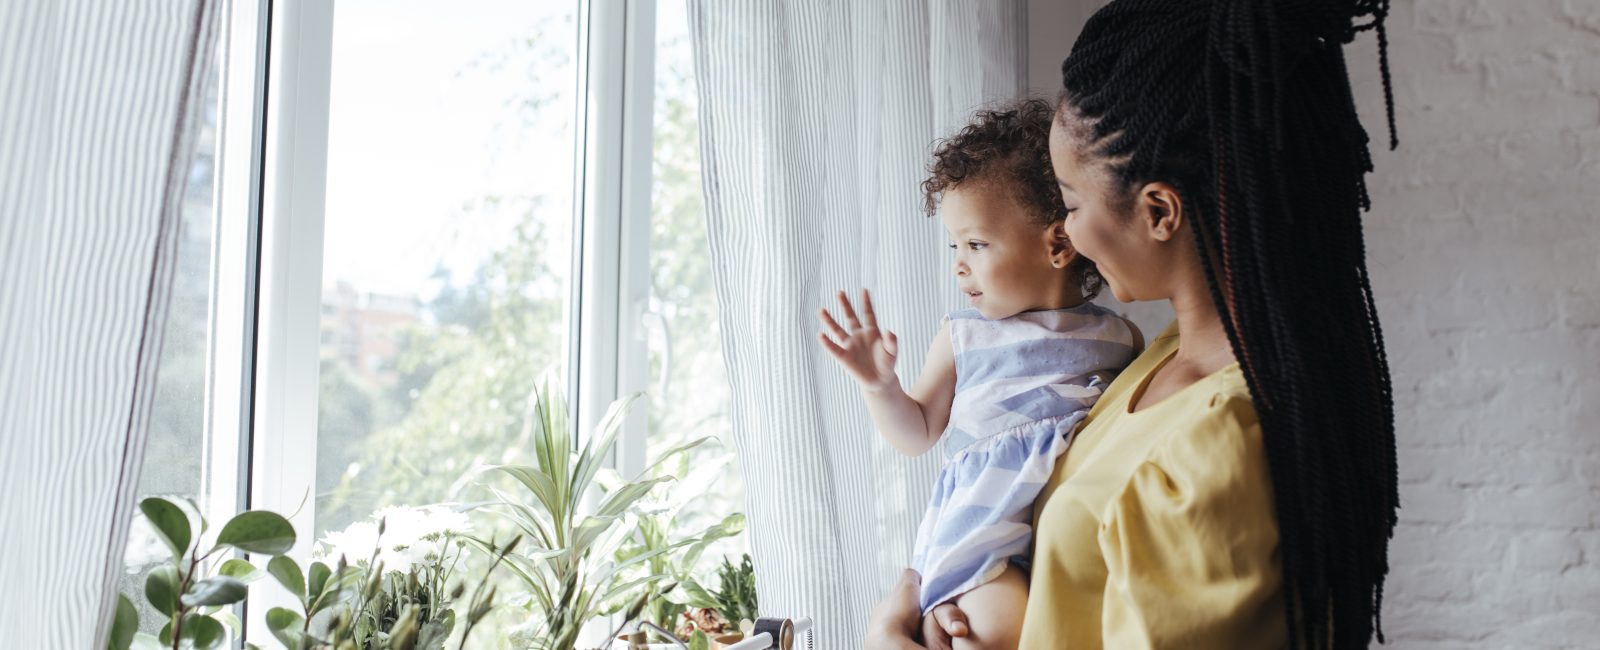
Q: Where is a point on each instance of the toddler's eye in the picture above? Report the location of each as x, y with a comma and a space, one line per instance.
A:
976, 245
952, 246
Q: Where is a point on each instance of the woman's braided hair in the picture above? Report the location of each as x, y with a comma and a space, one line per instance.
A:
1245, 107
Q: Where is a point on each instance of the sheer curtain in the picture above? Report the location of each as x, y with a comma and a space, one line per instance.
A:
97, 107
817, 119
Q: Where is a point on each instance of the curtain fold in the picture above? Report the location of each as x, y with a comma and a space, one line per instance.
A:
98, 109
817, 119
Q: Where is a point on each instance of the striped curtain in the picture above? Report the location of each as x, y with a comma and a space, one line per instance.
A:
816, 122
98, 103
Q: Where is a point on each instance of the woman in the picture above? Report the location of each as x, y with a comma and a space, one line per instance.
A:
1236, 486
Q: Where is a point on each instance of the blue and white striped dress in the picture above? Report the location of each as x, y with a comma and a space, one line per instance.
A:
1023, 384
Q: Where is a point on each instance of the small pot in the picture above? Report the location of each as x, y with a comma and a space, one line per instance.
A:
724, 640
629, 641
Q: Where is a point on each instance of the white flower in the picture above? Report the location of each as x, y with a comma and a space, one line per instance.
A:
355, 542
411, 536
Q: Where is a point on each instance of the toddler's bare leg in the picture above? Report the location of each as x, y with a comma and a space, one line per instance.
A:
994, 612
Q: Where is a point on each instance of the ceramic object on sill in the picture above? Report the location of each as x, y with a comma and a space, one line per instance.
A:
718, 642
636, 640
721, 641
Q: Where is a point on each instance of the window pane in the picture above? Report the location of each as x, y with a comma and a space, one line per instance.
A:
692, 398
447, 244
173, 461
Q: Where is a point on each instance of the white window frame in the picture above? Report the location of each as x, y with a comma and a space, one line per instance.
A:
230, 355
268, 249
283, 436
226, 444
617, 58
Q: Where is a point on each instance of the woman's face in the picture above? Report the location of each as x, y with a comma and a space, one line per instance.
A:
1115, 230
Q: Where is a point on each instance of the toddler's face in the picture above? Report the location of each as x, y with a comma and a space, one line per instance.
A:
1003, 258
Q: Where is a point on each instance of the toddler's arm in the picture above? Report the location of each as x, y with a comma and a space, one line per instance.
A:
910, 422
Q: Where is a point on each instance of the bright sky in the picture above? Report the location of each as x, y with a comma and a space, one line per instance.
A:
420, 125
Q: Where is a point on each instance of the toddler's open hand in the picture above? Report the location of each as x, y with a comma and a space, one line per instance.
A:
865, 351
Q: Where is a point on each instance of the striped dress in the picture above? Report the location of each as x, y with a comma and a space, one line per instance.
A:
1023, 384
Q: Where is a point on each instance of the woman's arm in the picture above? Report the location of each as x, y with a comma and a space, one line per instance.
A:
910, 422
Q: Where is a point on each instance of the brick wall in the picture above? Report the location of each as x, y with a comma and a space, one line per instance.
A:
1484, 244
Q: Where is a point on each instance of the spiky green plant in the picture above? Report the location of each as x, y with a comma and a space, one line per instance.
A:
571, 527
736, 593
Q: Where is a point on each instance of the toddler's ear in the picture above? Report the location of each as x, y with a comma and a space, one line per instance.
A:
1061, 250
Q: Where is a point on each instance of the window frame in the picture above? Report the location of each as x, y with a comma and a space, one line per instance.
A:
283, 425
267, 251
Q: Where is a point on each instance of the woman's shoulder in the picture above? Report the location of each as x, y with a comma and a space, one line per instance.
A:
1214, 442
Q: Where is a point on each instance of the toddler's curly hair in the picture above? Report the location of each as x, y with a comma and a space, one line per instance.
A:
1009, 145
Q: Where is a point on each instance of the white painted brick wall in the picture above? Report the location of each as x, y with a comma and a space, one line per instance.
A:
1484, 244
1484, 241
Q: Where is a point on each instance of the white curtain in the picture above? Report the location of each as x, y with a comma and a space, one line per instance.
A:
98, 102
817, 119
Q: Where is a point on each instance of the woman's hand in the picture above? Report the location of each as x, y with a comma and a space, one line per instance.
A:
944, 622
894, 622
893, 625
866, 352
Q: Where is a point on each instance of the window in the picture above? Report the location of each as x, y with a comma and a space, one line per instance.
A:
447, 222
690, 396
175, 463
494, 174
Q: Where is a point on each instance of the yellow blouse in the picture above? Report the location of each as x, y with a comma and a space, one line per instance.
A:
1156, 529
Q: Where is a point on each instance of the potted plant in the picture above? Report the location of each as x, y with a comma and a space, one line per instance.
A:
572, 527
357, 607
197, 587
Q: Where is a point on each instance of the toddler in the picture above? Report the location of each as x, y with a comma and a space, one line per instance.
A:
1007, 382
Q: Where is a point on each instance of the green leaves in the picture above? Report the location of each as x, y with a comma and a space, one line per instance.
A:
694, 595
319, 575
729, 526
203, 631
124, 625
258, 531
192, 601
568, 569
737, 596
170, 522
220, 590
161, 589
287, 571
240, 570
573, 571
285, 625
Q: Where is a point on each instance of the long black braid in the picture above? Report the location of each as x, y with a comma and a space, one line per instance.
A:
1245, 107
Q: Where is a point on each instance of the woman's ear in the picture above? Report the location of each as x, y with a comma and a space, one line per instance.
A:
1061, 250
1160, 209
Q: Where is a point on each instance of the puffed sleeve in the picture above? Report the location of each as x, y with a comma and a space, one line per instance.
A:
1191, 542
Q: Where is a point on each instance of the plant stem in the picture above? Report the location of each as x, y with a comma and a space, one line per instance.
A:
183, 586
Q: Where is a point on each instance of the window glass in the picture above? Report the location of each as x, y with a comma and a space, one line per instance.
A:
447, 242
